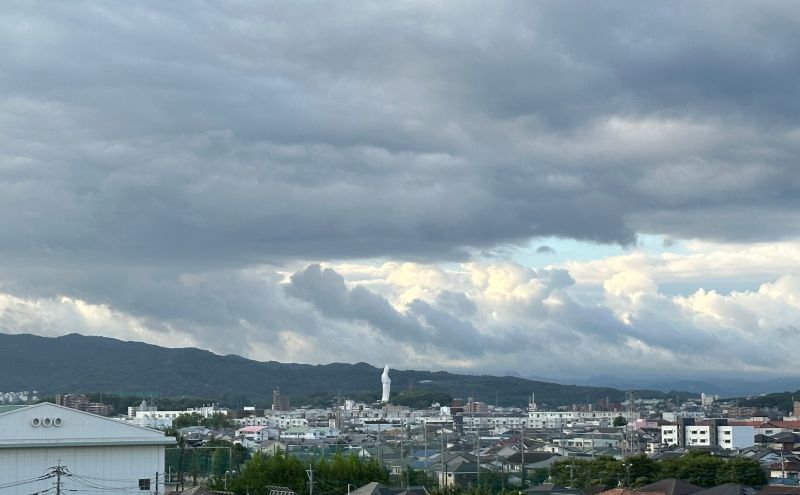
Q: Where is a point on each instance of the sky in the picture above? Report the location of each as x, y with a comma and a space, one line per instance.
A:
558, 189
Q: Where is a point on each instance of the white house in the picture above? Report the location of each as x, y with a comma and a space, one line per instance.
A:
252, 436
91, 452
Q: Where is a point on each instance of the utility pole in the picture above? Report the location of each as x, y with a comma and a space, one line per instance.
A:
425, 442
157, 483
502, 477
443, 481
522, 450
402, 455
783, 470
478, 450
58, 471
627, 475
310, 473
572, 473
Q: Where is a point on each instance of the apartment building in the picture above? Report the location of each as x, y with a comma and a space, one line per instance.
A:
711, 433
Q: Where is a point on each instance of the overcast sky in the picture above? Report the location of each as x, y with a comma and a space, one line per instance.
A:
558, 189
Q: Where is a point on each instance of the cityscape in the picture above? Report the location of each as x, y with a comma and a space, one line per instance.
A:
422, 247
465, 445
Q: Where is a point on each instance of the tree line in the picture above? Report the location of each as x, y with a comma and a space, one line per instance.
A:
700, 468
330, 476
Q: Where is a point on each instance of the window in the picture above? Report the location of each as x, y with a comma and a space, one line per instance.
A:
144, 484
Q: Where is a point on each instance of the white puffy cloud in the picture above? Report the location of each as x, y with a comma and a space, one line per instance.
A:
61, 315
482, 316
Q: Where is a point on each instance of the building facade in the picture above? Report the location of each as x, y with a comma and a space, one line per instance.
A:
41, 443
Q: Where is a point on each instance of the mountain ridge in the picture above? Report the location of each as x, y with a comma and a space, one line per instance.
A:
79, 363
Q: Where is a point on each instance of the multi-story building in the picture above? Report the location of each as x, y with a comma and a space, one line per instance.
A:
711, 433
81, 403
478, 407
280, 402
673, 416
492, 423
561, 419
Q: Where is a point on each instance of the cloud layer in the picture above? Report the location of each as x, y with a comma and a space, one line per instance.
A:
226, 134
253, 178
497, 317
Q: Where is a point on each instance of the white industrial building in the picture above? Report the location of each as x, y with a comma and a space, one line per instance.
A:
91, 453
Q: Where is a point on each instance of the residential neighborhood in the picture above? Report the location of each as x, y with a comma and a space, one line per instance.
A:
466, 445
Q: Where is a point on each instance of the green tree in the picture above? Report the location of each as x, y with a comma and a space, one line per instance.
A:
186, 420
418, 477
582, 473
340, 471
286, 470
620, 421
447, 490
421, 398
217, 421
742, 470
605, 470
643, 470
538, 476
262, 471
699, 468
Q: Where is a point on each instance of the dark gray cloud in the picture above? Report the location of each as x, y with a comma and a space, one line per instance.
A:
257, 133
544, 249
424, 326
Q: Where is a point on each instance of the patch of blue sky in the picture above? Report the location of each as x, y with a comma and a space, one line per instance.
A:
556, 251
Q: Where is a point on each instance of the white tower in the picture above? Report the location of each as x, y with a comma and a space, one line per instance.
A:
387, 384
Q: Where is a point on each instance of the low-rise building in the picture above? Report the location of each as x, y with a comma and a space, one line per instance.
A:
309, 433
38, 442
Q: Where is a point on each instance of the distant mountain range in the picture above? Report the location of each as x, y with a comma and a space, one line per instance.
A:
77, 363
722, 386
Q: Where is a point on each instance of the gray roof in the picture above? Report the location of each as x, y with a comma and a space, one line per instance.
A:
376, 488
546, 488
9, 408
729, 489
530, 457
671, 486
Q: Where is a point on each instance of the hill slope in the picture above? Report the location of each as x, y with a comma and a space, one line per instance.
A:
77, 363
